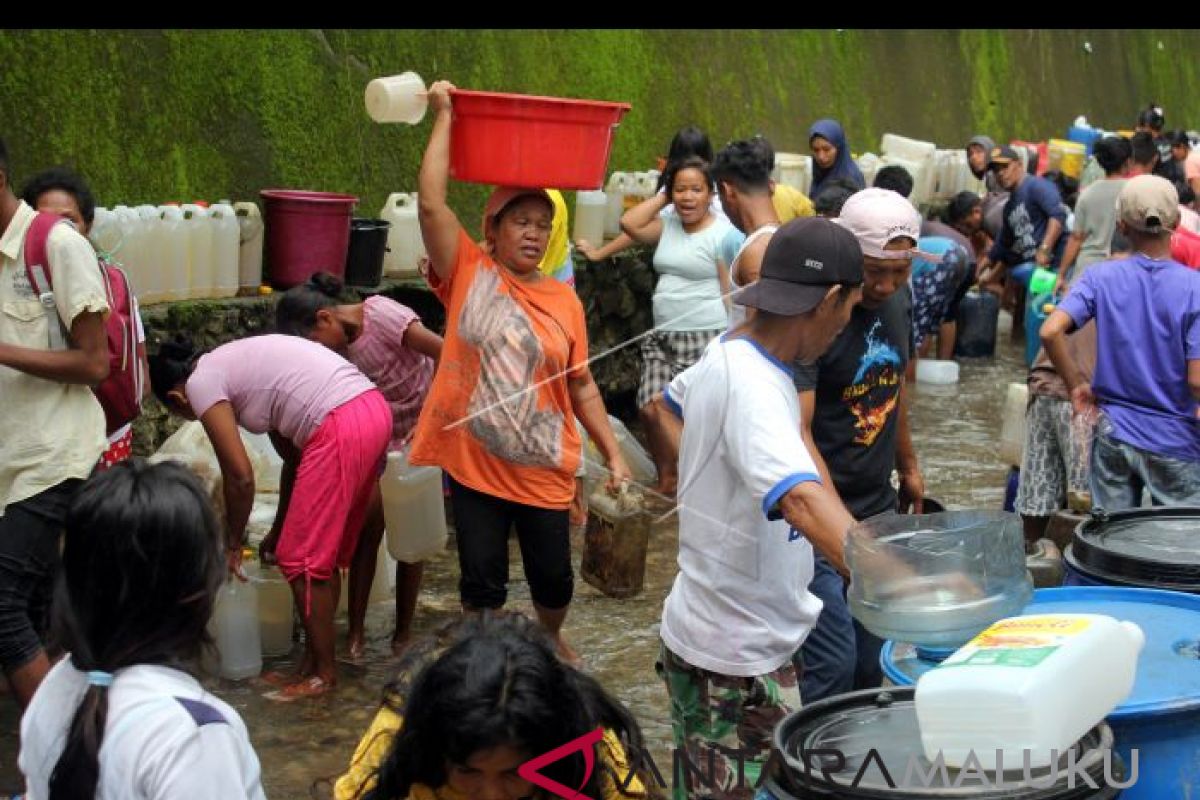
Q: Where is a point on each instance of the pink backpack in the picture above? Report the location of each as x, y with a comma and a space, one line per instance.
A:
120, 395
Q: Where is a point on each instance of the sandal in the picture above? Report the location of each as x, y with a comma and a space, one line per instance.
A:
277, 677
301, 690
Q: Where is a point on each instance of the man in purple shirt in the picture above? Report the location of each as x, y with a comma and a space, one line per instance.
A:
1147, 378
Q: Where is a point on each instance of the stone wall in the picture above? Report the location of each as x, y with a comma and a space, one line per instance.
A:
615, 295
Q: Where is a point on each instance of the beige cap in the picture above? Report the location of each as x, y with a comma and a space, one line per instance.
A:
1149, 204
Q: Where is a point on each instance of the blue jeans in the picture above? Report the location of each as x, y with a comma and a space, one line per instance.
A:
840, 655
1120, 471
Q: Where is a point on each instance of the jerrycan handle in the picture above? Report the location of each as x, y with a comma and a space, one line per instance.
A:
400, 200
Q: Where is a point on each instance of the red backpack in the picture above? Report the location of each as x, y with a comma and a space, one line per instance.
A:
120, 394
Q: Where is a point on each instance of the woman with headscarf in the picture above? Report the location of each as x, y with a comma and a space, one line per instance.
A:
513, 377
831, 155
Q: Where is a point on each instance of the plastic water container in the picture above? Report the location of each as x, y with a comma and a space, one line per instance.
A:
404, 242
250, 245
978, 315
173, 239
616, 543
226, 249
275, 609
1033, 683
235, 629
638, 187
590, 211
105, 234
414, 511
1084, 133
618, 184
1012, 427
868, 165
934, 371
1160, 719
384, 580
128, 252
936, 579
148, 283
1037, 311
197, 221
1066, 156
793, 169
908, 149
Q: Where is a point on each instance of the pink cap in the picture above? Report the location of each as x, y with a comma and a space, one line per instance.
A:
876, 217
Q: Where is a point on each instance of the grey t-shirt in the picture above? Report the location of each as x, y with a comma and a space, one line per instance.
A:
1096, 219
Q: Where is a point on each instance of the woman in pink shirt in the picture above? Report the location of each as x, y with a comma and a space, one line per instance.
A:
309, 399
387, 341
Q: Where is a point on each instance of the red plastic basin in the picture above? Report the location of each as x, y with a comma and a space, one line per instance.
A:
524, 140
306, 232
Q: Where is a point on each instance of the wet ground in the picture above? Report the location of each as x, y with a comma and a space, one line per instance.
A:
301, 745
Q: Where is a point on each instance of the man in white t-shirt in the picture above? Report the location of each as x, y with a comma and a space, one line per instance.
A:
751, 510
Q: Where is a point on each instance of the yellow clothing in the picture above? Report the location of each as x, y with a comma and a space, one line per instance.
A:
373, 749
790, 203
557, 249
49, 431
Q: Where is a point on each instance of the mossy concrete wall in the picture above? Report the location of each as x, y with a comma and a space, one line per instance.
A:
151, 115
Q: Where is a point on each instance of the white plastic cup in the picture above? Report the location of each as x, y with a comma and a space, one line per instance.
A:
398, 98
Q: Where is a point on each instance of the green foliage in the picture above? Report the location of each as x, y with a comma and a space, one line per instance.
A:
152, 116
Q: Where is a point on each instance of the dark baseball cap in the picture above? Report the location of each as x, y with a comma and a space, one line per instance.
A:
803, 259
1003, 155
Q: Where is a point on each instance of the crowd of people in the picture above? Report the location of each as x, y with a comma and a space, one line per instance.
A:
774, 397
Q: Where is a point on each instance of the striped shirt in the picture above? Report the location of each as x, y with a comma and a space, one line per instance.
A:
401, 373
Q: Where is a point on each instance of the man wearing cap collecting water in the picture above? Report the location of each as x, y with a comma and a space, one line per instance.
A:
1147, 377
854, 405
1034, 220
752, 508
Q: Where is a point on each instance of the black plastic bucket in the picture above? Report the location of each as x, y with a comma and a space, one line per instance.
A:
364, 257
834, 749
1147, 548
978, 314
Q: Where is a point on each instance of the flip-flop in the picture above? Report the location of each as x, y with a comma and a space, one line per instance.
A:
301, 690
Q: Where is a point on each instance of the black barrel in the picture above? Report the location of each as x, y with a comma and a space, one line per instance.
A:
364, 257
834, 749
978, 314
1147, 548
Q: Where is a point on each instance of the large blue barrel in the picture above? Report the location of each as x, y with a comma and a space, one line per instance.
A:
1161, 717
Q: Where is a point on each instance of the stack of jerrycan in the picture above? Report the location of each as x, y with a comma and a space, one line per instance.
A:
918, 158
405, 245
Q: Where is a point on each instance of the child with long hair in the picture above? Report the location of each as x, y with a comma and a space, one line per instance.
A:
141, 565
387, 341
482, 704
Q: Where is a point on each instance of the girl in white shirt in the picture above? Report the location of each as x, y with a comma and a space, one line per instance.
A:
118, 717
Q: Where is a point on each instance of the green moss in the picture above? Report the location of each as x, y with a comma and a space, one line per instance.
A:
151, 116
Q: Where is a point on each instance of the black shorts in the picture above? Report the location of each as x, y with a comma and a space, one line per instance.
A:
30, 533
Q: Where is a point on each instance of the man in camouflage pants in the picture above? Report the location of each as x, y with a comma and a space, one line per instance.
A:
751, 509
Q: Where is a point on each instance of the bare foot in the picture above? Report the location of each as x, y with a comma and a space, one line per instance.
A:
400, 641
566, 653
356, 648
308, 687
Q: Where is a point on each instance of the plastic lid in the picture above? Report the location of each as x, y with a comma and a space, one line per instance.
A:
1168, 669
875, 726
1156, 547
